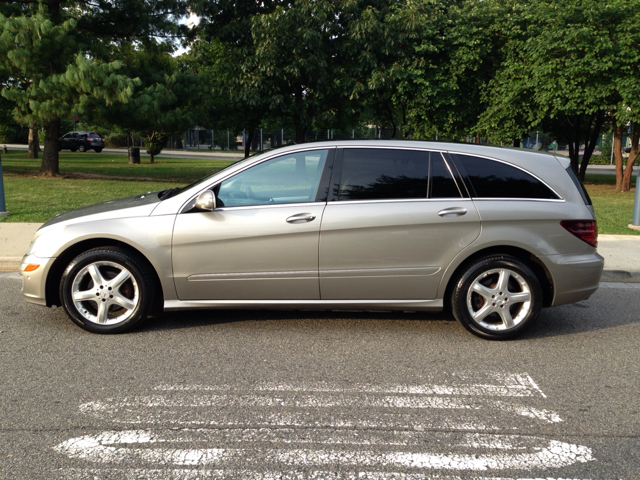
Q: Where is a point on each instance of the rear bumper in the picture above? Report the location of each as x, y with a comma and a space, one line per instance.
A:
34, 283
575, 277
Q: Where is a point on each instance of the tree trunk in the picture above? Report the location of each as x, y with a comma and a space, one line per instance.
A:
573, 137
617, 154
34, 143
151, 159
633, 155
298, 120
247, 144
50, 158
595, 124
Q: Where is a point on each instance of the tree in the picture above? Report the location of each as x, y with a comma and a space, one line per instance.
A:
559, 64
60, 49
163, 102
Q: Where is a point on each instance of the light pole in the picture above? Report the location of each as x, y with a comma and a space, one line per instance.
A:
635, 222
3, 206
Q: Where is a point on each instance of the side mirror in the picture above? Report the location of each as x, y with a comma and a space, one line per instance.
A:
206, 201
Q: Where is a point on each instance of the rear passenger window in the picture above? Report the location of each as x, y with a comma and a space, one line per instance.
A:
371, 174
491, 179
385, 174
441, 183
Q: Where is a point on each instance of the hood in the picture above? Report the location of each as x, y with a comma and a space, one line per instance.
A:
137, 206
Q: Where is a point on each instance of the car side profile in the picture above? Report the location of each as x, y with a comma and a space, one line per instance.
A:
494, 234
81, 141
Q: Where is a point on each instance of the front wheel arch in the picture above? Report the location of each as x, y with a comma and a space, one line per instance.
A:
54, 276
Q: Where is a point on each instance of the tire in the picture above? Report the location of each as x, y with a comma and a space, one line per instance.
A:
97, 150
82, 148
497, 297
107, 290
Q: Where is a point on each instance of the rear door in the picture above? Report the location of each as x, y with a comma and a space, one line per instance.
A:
396, 218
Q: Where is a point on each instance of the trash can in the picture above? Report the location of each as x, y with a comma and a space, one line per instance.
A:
134, 155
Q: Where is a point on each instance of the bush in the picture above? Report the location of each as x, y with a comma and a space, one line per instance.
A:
116, 139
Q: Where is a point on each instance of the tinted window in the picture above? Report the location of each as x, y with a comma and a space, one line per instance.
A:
491, 179
441, 183
290, 178
369, 174
583, 191
95, 135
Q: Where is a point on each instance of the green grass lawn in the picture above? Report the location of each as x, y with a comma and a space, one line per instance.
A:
614, 210
112, 164
33, 199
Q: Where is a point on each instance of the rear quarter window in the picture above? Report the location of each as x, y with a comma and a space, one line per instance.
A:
493, 179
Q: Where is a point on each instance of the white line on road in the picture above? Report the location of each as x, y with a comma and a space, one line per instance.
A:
461, 384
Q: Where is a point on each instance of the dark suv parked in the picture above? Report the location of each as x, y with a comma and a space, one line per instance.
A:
82, 141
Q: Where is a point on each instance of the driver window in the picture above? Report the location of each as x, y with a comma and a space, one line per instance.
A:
292, 178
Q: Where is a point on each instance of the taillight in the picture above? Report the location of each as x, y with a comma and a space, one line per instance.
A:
585, 230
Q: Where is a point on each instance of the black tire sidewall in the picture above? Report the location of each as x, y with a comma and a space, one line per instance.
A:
465, 280
126, 260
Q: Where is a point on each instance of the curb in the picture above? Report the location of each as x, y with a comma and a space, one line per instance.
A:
620, 276
9, 264
12, 264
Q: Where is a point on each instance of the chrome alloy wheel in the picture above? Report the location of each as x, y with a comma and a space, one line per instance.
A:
105, 293
499, 299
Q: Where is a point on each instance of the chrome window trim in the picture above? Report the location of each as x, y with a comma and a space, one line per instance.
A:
515, 199
404, 200
273, 205
560, 197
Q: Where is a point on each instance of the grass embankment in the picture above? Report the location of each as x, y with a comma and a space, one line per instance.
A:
184, 170
33, 199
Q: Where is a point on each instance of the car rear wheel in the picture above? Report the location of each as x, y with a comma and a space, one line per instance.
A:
107, 290
497, 297
82, 148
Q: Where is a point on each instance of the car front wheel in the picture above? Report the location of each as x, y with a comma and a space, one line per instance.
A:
106, 290
497, 297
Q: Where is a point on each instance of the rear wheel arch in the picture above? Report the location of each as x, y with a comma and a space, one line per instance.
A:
532, 261
57, 269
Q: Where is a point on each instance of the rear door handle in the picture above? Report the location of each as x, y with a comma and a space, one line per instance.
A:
452, 212
301, 218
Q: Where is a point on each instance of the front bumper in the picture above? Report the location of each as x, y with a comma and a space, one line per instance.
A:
575, 277
34, 284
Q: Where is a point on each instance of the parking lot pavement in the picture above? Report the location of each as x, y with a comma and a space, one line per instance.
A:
320, 395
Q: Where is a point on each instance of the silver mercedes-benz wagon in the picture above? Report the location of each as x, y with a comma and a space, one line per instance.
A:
492, 234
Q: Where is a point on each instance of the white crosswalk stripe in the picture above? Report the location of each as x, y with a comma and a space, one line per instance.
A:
459, 423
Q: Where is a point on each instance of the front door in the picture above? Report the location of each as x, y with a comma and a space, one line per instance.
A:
261, 242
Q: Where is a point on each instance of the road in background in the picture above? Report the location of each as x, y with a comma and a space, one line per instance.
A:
320, 395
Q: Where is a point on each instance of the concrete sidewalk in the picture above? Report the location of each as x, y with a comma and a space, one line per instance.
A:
621, 252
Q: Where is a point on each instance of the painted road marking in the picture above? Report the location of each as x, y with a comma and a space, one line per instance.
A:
465, 422
105, 448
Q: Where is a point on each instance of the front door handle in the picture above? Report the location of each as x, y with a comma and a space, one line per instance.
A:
301, 218
452, 212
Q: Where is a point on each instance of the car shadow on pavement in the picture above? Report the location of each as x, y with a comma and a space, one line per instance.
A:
205, 318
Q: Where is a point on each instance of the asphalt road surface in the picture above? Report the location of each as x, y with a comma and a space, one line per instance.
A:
320, 395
